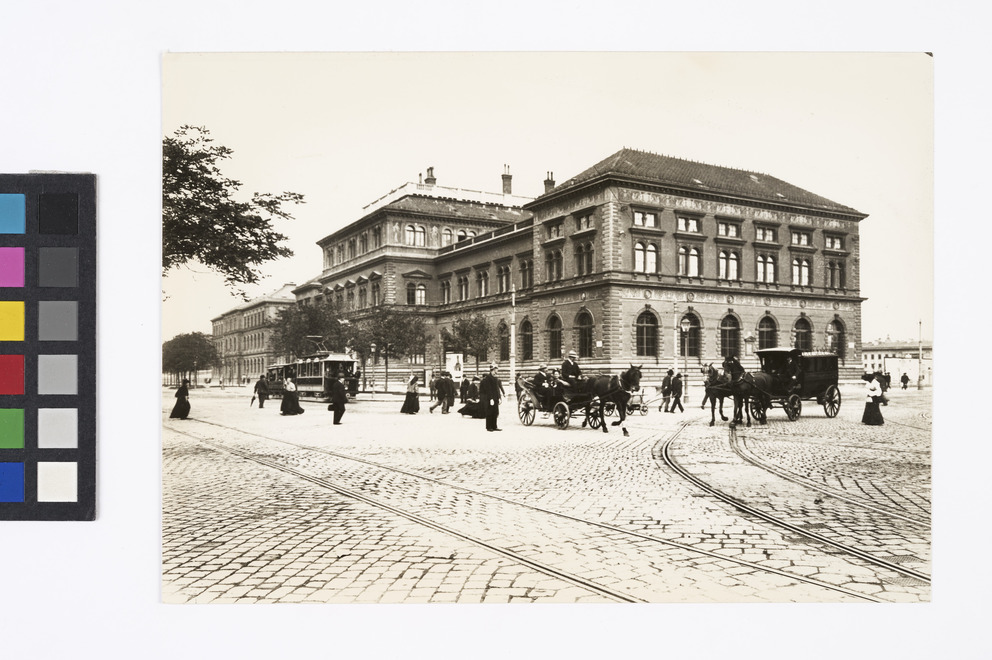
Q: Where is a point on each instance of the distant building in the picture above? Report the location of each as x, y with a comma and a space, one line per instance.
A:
242, 336
612, 263
898, 358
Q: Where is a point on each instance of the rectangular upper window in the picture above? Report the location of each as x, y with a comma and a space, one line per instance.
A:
644, 219
583, 222
555, 230
835, 243
801, 238
730, 229
766, 234
688, 223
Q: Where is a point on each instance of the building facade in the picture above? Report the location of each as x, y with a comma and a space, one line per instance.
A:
242, 336
896, 358
641, 258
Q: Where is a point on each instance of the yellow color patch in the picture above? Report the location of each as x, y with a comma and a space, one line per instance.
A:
11, 320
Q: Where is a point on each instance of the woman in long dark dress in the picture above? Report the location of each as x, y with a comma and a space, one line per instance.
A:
290, 400
873, 394
411, 404
472, 407
181, 409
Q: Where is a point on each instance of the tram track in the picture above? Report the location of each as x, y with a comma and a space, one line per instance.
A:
739, 445
515, 556
665, 454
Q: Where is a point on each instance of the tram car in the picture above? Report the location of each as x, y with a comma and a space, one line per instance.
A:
313, 375
789, 376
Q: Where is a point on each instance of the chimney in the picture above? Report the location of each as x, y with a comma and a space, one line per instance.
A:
430, 180
549, 183
507, 180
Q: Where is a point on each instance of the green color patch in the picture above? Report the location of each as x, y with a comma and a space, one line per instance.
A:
11, 428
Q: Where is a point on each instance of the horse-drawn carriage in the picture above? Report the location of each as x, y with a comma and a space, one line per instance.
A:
788, 377
558, 402
562, 402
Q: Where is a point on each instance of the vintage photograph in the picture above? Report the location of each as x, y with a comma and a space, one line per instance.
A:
595, 327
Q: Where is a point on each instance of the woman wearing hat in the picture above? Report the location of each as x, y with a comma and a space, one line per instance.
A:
570, 370
873, 396
181, 409
411, 404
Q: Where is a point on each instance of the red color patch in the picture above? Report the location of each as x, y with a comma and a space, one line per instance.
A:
11, 374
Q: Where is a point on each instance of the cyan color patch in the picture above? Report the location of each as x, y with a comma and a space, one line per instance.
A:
11, 213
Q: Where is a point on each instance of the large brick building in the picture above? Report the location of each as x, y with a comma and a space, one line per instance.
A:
613, 263
242, 336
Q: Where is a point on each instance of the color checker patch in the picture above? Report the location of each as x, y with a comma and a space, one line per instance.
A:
11, 374
12, 267
12, 207
11, 428
11, 482
11, 320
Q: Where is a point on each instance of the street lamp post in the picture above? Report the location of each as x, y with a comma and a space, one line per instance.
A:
685, 325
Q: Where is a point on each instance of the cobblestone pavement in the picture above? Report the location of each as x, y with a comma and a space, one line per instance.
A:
431, 508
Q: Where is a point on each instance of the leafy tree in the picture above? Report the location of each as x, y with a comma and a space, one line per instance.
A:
203, 219
470, 335
298, 327
185, 354
394, 334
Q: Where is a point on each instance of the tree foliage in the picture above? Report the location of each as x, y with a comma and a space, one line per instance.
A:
187, 353
297, 328
203, 218
470, 335
394, 333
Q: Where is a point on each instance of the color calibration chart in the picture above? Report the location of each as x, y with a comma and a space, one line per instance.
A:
47, 346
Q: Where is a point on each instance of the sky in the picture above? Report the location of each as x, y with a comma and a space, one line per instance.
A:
345, 128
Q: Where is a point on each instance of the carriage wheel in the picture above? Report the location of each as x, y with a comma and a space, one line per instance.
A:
831, 401
793, 406
609, 408
643, 408
758, 410
526, 409
592, 418
561, 414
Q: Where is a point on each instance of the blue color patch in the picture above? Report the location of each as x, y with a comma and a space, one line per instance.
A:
11, 482
11, 213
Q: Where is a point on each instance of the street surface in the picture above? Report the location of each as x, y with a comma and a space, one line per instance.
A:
430, 508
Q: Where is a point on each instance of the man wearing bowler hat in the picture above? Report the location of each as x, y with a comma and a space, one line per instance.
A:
490, 392
339, 397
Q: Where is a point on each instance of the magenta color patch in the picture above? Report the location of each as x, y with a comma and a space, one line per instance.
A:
12, 266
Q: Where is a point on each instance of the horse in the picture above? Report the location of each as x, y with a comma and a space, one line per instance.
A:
746, 386
616, 389
716, 387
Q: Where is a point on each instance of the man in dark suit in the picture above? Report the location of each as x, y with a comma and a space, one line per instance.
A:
571, 372
666, 390
541, 387
490, 392
677, 393
262, 391
464, 389
339, 397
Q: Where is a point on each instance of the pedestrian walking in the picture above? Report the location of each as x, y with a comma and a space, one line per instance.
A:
443, 388
290, 399
463, 390
666, 391
261, 391
411, 404
873, 396
450, 400
339, 398
677, 393
490, 393
182, 407
904, 380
